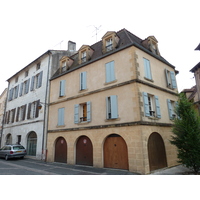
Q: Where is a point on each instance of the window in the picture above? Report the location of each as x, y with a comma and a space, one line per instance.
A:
83, 56
82, 112
171, 107
16, 79
171, 79
16, 90
19, 139
10, 97
12, 115
111, 107
151, 105
38, 66
109, 44
62, 88
147, 69
61, 115
24, 87
36, 81
22, 113
33, 110
110, 72
83, 80
64, 66
26, 73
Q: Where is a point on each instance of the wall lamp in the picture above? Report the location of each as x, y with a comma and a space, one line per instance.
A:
40, 105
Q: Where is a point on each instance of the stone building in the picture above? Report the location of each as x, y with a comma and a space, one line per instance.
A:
2, 108
111, 105
27, 103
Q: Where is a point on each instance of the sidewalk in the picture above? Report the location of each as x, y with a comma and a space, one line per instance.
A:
177, 170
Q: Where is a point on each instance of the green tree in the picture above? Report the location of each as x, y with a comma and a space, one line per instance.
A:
187, 134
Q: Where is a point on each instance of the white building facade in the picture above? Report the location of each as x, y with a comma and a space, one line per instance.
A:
26, 111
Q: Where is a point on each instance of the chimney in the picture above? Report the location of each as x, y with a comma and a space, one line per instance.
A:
71, 47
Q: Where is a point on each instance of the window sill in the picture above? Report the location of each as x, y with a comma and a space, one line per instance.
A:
59, 126
116, 119
80, 91
107, 83
83, 123
154, 118
60, 97
148, 79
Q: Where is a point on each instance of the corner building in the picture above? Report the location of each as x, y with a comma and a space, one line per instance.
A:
111, 105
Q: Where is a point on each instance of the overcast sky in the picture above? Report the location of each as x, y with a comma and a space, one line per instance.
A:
30, 28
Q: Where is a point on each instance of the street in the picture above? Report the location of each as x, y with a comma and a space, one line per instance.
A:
28, 166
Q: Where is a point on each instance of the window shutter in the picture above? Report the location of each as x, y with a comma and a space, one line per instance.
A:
61, 112
24, 112
83, 80
40, 79
17, 117
173, 78
62, 88
146, 104
37, 108
114, 107
13, 115
29, 111
170, 109
147, 68
166, 75
21, 89
32, 83
76, 113
27, 86
158, 113
110, 72
108, 108
88, 111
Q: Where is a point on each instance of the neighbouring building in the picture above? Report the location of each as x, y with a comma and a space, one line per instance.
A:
26, 113
2, 109
111, 105
193, 94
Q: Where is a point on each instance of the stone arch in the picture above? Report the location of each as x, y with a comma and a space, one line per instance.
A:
156, 152
32, 143
115, 152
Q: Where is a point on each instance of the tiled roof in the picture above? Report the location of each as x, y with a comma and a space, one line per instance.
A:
126, 39
198, 47
197, 66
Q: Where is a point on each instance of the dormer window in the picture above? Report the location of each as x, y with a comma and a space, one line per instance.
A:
110, 41
109, 44
65, 63
83, 56
85, 53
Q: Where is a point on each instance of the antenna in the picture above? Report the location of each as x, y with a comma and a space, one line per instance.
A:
97, 30
59, 44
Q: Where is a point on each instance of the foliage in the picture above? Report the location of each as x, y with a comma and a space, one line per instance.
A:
187, 134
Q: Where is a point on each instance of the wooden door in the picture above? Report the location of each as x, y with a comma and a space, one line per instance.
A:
60, 150
84, 151
156, 152
115, 152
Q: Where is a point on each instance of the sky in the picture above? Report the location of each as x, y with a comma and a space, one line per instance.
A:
30, 28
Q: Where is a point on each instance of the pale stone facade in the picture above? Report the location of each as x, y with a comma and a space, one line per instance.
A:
129, 86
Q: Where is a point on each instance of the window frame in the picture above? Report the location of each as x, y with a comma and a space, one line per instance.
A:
112, 107
110, 71
147, 69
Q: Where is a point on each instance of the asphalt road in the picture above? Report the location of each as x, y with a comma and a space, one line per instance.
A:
29, 166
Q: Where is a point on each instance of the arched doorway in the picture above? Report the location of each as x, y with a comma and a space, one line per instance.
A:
156, 152
32, 144
84, 151
60, 150
115, 152
9, 139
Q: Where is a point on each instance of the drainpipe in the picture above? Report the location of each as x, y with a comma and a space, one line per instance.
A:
46, 111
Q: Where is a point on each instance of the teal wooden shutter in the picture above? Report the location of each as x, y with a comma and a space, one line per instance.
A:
61, 112
83, 80
170, 108
76, 113
62, 88
173, 78
88, 111
158, 113
114, 107
147, 68
146, 104
110, 72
